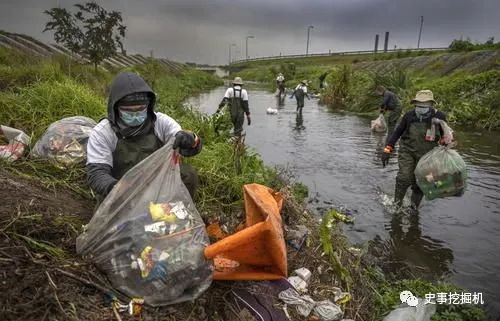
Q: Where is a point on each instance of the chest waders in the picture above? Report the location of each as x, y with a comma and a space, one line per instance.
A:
130, 151
237, 113
412, 147
299, 96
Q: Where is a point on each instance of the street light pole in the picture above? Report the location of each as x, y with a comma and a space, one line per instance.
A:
420, 32
246, 46
230, 46
307, 45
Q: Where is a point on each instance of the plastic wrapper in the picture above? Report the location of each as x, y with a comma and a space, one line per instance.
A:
18, 142
441, 173
148, 237
65, 141
379, 125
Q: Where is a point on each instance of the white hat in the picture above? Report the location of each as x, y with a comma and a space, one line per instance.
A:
238, 81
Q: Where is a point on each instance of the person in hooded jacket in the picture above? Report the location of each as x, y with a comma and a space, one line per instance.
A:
417, 139
131, 132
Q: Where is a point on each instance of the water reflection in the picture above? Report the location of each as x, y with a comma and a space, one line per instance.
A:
421, 255
299, 122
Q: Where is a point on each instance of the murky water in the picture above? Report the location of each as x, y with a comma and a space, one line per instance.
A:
336, 156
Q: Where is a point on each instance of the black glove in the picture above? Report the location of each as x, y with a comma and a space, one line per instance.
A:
249, 120
184, 140
386, 155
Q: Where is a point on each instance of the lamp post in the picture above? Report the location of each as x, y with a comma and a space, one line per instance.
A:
230, 46
307, 45
246, 46
420, 32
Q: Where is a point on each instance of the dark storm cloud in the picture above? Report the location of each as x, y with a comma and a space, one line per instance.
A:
201, 30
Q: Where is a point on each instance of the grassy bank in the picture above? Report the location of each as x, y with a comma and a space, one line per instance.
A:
46, 206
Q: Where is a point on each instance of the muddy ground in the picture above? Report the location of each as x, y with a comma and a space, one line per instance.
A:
42, 278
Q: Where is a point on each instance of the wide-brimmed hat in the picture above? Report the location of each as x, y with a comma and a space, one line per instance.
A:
423, 96
304, 82
238, 81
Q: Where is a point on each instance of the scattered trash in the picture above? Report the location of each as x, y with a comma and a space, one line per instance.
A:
325, 310
422, 312
300, 281
271, 111
341, 297
18, 142
65, 141
379, 125
297, 237
441, 173
148, 237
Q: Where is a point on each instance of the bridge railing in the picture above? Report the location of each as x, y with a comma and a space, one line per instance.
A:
344, 53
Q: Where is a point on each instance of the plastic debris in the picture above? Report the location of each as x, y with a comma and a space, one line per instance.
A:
297, 237
341, 297
65, 141
422, 312
300, 281
304, 274
325, 310
18, 142
271, 111
379, 125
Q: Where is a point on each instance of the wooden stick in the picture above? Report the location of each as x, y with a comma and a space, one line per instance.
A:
92, 284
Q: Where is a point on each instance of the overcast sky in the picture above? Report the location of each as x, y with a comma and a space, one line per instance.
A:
202, 30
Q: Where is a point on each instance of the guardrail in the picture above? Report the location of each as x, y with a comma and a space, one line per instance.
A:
344, 53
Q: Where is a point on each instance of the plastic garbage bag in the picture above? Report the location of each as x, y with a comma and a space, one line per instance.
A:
18, 141
441, 173
65, 141
379, 125
422, 312
148, 237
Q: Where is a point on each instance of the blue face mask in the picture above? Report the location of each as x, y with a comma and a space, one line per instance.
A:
133, 118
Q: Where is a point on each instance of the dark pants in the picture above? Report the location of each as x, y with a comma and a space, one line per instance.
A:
300, 104
406, 178
392, 120
237, 118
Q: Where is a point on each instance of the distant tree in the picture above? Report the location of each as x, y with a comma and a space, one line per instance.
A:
91, 32
461, 45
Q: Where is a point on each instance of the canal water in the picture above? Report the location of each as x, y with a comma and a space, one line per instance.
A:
337, 157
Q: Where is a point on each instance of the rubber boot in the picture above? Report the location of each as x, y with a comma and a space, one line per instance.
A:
399, 195
416, 198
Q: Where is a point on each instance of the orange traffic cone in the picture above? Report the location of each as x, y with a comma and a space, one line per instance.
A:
257, 252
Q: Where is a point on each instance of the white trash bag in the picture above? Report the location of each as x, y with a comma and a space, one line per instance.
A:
379, 125
65, 141
148, 237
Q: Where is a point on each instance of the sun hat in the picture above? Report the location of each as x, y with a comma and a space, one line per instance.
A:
238, 81
423, 96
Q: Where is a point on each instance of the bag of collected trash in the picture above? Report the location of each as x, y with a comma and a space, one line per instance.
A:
65, 141
441, 173
148, 237
379, 125
18, 141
